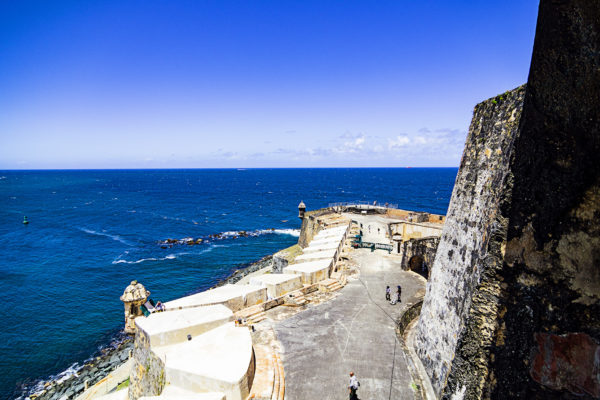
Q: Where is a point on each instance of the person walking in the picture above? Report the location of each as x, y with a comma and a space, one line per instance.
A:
388, 293
353, 386
399, 292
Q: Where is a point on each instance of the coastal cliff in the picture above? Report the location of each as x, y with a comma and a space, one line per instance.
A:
512, 309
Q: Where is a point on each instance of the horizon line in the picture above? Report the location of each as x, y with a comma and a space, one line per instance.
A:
207, 168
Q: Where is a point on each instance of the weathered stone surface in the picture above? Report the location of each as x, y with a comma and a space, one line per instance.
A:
310, 225
570, 362
469, 247
418, 254
147, 376
279, 263
528, 264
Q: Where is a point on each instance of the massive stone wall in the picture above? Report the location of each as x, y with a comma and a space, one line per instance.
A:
418, 254
551, 327
470, 238
310, 225
512, 308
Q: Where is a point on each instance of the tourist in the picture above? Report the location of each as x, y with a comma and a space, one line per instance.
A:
353, 386
160, 306
399, 292
388, 293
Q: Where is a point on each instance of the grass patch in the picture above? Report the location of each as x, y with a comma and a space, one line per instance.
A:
290, 253
123, 384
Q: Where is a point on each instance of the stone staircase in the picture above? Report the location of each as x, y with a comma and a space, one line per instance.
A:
329, 285
295, 299
256, 318
251, 315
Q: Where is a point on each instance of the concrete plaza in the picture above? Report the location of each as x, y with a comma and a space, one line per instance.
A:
355, 331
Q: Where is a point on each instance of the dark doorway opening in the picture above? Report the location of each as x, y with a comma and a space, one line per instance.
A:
417, 264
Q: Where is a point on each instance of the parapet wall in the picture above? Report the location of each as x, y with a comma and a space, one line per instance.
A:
310, 225
147, 377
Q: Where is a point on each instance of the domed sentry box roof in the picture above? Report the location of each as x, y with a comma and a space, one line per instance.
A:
135, 292
302, 205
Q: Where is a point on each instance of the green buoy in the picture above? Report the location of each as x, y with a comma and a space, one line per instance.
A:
25, 222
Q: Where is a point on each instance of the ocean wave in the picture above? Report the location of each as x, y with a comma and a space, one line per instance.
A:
291, 232
120, 260
141, 260
38, 386
108, 235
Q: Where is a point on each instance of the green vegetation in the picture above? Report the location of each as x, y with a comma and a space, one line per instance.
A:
123, 384
291, 252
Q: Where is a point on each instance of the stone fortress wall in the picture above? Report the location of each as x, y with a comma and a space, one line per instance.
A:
512, 309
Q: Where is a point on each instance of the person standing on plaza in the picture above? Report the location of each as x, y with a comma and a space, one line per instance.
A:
353, 386
399, 292
388, 293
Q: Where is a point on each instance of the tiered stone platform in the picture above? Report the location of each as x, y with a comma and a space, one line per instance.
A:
219, 360
278, 284
166, 328
195, 351
235, 297
312, 271
329, 254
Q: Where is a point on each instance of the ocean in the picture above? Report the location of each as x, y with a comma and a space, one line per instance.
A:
93, 231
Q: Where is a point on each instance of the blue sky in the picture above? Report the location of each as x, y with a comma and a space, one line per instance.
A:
200, 84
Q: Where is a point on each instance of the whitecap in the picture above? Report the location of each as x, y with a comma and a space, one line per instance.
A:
141, 260
108, 235
291, 232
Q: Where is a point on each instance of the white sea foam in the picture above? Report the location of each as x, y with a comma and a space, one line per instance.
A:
108, 235
119, 260
291, 232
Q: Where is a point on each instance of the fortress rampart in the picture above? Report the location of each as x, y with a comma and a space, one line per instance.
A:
512, 309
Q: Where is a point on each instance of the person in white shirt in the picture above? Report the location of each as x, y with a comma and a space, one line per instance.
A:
353, 386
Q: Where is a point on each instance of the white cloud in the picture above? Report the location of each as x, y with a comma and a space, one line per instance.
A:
399, 142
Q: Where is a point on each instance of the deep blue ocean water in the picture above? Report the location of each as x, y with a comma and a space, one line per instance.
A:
92, 232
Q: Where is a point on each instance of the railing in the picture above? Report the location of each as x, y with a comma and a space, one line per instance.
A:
373, 246
363, 203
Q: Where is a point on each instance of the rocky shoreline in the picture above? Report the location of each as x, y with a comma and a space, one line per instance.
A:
93, 370
69, 386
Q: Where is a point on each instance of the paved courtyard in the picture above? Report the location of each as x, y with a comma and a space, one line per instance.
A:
352, 332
